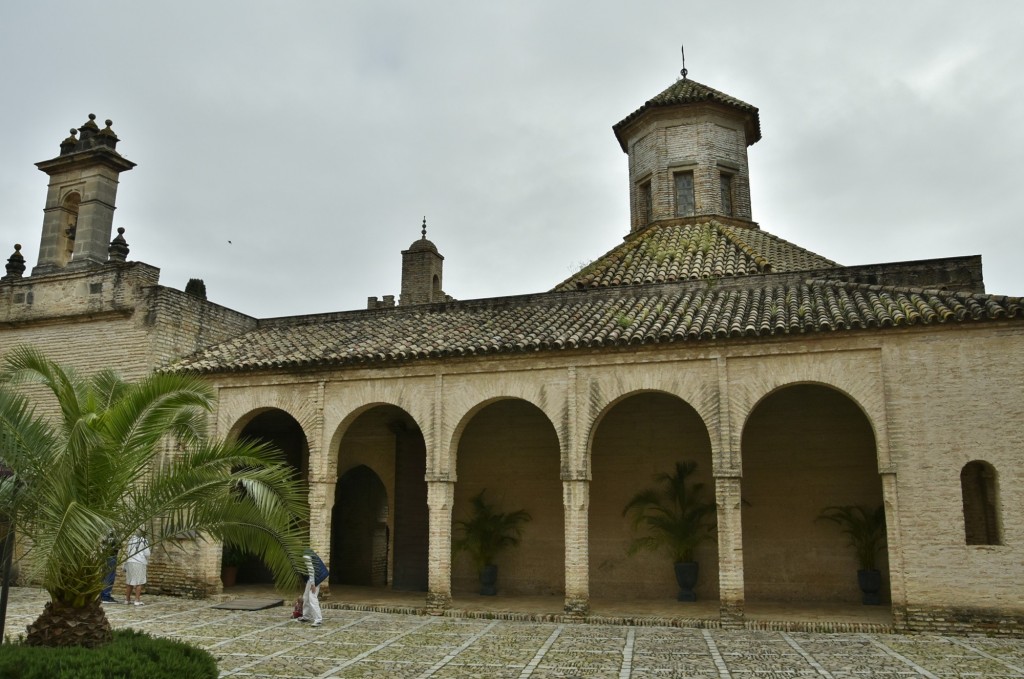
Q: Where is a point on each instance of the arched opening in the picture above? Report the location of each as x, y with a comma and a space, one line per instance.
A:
359, 529
981, 503
639, 437
435, 288
283, 431
805, 447
384, 448
69, 206
509, 449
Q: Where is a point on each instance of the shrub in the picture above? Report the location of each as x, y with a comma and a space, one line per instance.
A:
131, 655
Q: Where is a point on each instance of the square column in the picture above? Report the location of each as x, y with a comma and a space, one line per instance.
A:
440, 499
576, 505
730, 549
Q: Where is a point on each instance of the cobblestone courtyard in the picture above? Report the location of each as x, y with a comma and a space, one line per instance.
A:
268, 643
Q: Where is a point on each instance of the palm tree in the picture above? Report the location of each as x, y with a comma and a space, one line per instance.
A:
864, 527
676, 515
488, 532
119, 457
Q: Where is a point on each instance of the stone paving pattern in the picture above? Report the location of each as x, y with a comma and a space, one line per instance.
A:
268, 643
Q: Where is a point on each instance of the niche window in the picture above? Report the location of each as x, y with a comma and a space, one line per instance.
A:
684, 194
70, 209
646, 203
981, 516
725, 181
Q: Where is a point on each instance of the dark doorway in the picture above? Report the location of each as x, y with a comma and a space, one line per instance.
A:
359, 535
386, 441
283, 431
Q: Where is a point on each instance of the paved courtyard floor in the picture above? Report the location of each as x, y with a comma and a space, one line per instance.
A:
268, 643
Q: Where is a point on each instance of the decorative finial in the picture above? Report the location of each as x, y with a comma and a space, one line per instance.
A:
92, 116
118, 249
15, 264
424, 230
683, 72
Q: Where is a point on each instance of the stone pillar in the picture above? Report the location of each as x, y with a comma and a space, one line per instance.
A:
894, 547
576, 505
730, 549
440, 498
320, 523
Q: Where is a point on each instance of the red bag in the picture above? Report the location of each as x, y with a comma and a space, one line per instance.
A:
297, 609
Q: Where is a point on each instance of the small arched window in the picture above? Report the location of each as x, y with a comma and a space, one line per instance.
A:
70, 207
981, 510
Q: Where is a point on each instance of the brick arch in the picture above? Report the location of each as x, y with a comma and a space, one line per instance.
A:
696, 385
472, 412
236, 408
387, 441
636, 437
468, 409
857, 375
709, 418
348, 420
282, 430
805, 446
509, 449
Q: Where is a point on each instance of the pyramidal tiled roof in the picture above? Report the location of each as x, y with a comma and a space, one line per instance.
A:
764, 306
685, 91
676, 251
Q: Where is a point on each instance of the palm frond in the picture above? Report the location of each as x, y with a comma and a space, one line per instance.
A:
91, 479
674, 514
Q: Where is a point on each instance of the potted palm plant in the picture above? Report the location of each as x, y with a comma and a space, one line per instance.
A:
677, 518
865, 529
231, 558
485, 534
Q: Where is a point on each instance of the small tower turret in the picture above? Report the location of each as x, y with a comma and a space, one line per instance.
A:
79, 214
687, 150
422, 267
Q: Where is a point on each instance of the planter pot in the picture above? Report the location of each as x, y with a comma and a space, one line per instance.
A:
489, 580
229, 575
870, 582
686, 578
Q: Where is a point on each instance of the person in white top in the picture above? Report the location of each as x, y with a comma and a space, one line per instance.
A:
310, 597
135, 566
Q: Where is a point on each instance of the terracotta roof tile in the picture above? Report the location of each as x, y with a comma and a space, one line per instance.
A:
676, 251
685, 91
681, 312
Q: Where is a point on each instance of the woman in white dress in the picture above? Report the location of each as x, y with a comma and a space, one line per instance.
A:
135, 566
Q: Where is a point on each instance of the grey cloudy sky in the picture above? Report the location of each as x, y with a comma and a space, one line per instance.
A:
314, 136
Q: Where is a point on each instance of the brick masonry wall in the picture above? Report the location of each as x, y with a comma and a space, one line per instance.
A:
704, 140
956, 397
117, 316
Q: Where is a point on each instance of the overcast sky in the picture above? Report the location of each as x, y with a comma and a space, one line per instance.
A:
288, 151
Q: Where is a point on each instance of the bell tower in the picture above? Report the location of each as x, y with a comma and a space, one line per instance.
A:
79, 213
687, 150
422, 266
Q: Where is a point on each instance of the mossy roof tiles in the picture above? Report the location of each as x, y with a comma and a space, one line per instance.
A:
655, 314
685, 91
668, 252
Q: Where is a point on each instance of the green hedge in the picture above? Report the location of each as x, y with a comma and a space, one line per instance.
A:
131, 655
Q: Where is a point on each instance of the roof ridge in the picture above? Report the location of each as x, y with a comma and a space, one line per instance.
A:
760, 261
